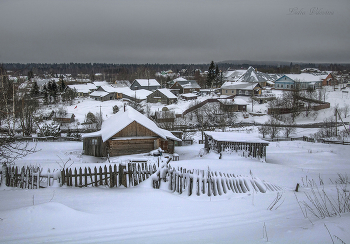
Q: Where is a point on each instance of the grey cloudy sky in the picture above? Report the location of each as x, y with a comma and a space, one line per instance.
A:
174, 31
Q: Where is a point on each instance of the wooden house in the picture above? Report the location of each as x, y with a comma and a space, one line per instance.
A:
185, 86
68, 118
330, 80
233, 105
164, 96
165, 116
147, 84
128, 132
189, 96
83, 90
103, 93
241, 89
300, 81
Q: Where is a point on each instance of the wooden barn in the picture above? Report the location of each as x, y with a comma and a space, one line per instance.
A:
251, 146
128, 132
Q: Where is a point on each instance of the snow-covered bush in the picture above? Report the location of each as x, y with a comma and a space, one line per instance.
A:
52, 129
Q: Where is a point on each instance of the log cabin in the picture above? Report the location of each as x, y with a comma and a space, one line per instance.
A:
128, 132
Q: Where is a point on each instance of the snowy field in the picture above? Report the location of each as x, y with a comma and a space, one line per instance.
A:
146, 215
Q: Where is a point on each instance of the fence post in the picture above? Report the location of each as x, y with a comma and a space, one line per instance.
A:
122, 175
3, 174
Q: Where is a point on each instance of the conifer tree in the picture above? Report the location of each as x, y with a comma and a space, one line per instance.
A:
211, 74
35, 89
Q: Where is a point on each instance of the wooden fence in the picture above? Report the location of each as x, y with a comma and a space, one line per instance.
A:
205, 182
125, 174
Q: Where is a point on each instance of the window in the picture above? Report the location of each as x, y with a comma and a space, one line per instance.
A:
240, 92
287, 86
94, 141
247, 92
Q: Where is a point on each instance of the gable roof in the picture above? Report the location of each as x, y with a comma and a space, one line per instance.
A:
252, 75
239, 85
167, 93
84, 88
122, 119
99, 94
147, 82
188, 83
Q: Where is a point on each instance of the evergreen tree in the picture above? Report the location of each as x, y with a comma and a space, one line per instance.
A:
211, 74
62, 84
35, 89
30, 74
46, 94
217, 76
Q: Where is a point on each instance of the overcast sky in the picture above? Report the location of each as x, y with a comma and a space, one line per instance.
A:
174, 31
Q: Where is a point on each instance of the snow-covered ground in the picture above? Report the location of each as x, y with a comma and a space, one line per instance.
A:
145, 215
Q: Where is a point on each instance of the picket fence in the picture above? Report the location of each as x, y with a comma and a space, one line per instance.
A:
124, 174
206, 182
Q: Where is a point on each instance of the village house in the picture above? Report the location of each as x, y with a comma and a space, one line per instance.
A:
147, 84
300, 81
241, 89
185, 86
67, 118
233, 105
330, 80
128, 132
103, 93
164, 116
83, 90
189, 96
164, 96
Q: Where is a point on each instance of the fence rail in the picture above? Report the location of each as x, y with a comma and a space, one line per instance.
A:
206, 182
124, 174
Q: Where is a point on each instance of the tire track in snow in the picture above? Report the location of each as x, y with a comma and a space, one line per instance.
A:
136, 230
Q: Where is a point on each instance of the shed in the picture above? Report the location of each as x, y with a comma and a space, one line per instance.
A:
251, 146
67, 118
128, 132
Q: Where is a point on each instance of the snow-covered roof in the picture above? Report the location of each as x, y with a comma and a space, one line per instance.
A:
234, 137
122, 119
170, 135
99, 94
252, 75
188, 84
235, 101
189, 95
84, 88
100, 83
234, 75
179, 79
239, 85
147, 82
140, 94
306, 77
167, 93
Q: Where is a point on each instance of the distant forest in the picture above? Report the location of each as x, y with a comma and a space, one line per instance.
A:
133, 71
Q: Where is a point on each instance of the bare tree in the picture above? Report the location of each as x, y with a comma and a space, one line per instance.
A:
274, 127
11, 150
346, 110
